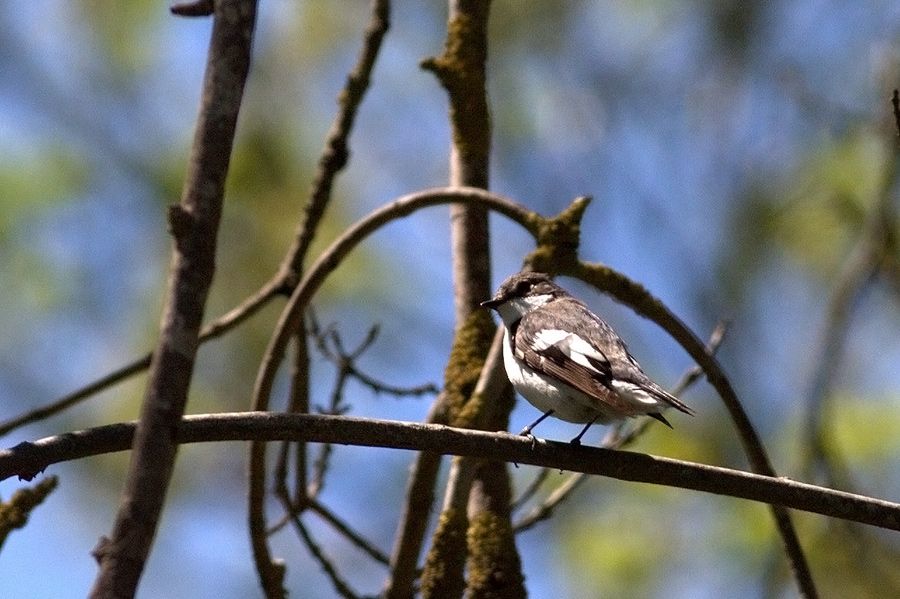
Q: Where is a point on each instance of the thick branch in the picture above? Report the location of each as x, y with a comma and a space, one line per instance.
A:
28, 459
194, 225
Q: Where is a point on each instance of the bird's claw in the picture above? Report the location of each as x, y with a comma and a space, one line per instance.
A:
526, 432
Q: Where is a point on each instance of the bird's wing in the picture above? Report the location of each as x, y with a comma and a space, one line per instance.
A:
569, 342
548, 347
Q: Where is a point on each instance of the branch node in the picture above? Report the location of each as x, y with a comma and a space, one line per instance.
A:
181, 221
101, 549
895, 102
558, 239
31, 464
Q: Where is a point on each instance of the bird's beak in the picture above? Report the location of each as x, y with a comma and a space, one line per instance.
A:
491, 303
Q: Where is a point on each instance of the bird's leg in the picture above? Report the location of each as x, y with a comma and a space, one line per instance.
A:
526, 432
577, 440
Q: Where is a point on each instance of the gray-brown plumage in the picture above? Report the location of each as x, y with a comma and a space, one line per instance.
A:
568, 362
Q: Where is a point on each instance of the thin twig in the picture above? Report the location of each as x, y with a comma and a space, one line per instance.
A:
354, 537
26, 460
247, 308
194, 8
336, 153
545, 510
618, 437
529, 491
194, 226
297, 404
340, 585
346, 362
331, 162
329, 260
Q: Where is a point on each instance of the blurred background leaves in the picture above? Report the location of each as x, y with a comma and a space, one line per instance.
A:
734, 151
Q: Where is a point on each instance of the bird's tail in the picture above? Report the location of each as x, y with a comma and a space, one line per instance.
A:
670, 399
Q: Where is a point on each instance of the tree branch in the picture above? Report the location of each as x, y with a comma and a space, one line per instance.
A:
15, 512
28, 459
194, 225
329, 260
332, 160
644, 303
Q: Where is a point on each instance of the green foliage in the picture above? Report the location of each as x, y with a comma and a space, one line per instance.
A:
34, 184
123, 31
865, 431
822, 206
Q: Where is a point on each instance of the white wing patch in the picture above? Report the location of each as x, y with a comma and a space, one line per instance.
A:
574, 347
580, 350
548, 338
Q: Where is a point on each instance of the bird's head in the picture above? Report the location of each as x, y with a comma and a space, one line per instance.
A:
521, 293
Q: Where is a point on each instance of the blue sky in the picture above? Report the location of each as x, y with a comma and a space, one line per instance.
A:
674, 127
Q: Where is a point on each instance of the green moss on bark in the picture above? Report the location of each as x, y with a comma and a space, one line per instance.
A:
470, 347
494, 567
443, 573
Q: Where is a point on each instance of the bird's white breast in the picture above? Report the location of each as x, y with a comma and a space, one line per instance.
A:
546, 393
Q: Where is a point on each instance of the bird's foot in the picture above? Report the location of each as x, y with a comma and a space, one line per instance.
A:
526, 432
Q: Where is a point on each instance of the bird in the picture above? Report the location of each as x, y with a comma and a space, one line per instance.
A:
567, 361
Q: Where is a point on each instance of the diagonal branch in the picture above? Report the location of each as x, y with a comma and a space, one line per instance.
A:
247, 308
644, 303
194, 225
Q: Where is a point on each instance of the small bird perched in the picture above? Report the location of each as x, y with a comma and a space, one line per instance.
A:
567, 362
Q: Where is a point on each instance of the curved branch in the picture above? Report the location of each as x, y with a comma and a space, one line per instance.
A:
644, 303
28, 459
330, 258
293, 312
